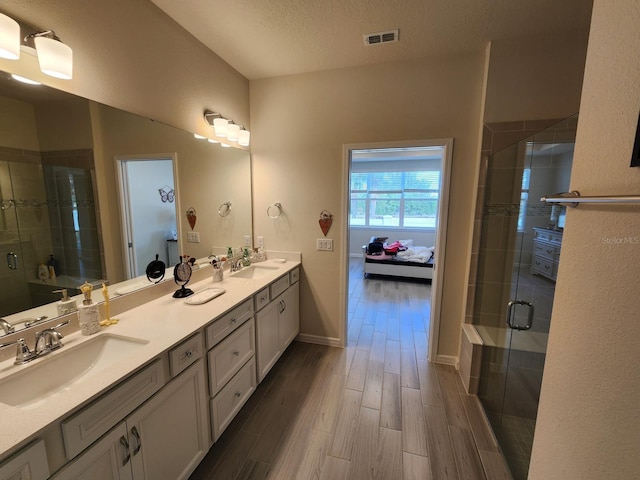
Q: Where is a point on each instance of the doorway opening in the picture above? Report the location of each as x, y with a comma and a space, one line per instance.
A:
400, 191
148, 210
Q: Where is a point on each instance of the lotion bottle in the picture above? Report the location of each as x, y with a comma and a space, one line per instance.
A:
66, 305
88, 314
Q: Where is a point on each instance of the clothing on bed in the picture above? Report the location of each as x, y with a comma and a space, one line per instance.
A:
402, 250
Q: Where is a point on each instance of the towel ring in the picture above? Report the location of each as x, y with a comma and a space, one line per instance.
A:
272, 208
224, 209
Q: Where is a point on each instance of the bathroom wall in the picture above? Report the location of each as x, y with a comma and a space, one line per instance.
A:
301, 123
588, 420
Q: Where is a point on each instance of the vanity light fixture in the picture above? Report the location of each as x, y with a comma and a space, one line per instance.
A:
212, 140
225, 145
198, 136
9, 38
225, 128
244, 137
55, 58
221, 126
232, 132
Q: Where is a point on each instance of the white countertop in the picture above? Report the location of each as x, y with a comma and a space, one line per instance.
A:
163, 322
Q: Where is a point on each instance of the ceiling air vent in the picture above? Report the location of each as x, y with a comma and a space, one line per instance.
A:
382, 37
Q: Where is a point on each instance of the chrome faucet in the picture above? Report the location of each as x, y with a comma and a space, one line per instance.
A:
236, 263
6, 326
47, 341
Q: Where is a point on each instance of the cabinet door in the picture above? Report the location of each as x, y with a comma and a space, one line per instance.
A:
289, 317
268, 345
107, 459
169, 434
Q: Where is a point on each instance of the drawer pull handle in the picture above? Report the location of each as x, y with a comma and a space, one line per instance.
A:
549, 252
134, 432
188, 353
238, 394
125, 444
236, 353
547, 267
233, 320
537, 263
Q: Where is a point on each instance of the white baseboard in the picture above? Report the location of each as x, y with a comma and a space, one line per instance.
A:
448, 360
317, 339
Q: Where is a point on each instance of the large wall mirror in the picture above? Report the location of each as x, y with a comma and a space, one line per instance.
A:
61, 202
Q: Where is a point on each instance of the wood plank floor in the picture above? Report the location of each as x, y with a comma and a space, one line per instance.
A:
375, 409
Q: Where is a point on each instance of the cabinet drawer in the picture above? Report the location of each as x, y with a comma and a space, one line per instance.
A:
279, 286
545, 250
294, 275
227, 323
30, 463
232, 397
543, 266
261, 298
229, 355
185, 354
85, 427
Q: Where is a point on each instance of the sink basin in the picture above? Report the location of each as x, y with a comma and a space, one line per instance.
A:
64, 368
254, 271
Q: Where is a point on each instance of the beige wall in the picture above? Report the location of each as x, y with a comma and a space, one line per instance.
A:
533, 78
18, 127
588, 423
300, 125
129, 54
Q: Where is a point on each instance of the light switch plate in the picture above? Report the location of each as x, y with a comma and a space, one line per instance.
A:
247, 240
260, 241
193, 237
324, 244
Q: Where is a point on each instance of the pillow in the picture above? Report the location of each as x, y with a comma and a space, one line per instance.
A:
406, 243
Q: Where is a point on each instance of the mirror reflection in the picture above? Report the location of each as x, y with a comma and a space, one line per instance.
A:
62, 215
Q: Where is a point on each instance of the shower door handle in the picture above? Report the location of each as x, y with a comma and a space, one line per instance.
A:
510, 311
12, 261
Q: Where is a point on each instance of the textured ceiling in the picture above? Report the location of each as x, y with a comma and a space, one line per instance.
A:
268, 38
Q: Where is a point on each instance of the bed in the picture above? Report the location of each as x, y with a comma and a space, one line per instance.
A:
398, 259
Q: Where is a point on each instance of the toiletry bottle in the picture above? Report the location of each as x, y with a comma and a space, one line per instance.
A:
66, 305
43, 272
88, 314
245, 258
52, 263
229, 253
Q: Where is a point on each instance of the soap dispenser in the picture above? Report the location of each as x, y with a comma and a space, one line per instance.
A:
66, 305
88, 314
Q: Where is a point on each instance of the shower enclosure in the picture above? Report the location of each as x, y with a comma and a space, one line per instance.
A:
518, 258
46, 208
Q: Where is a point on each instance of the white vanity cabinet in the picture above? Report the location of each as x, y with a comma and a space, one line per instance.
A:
30, 463
231, 362
277, 322
166, 437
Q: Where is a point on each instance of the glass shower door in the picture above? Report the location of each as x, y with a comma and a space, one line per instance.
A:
518, 260
14, 292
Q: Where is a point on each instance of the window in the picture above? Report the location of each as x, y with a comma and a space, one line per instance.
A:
524, 198
395, 198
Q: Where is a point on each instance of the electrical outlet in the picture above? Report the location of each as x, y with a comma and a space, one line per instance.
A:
324, 244
260, 241
247, 240
193, 237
